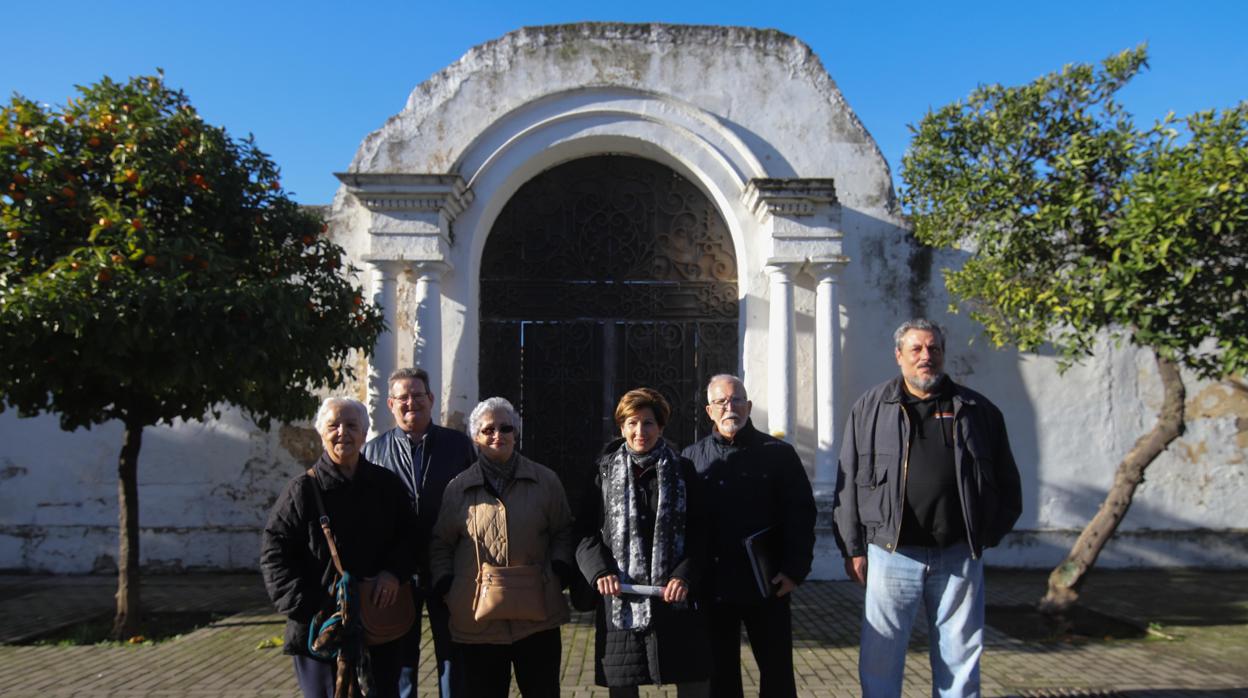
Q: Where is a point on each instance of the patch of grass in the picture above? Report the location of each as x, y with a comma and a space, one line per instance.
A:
153, 629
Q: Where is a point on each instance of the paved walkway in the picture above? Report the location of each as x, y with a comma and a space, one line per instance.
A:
1206, 613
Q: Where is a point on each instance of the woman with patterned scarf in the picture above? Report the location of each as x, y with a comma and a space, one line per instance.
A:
642, 547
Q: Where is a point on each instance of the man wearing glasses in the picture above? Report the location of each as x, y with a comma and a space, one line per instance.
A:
754, 484
426, 457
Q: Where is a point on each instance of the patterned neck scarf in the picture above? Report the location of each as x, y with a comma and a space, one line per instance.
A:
499, 475
623, 517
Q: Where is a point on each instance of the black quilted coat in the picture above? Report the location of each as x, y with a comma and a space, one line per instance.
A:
675, 648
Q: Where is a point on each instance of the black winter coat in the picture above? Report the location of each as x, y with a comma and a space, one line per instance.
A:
372, 523
751, 483
675, 648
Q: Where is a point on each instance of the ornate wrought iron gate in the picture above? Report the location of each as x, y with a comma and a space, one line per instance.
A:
601, 275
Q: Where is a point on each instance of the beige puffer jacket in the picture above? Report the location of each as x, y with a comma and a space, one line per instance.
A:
531, 525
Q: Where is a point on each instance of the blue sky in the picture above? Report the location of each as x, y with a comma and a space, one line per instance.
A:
310, 79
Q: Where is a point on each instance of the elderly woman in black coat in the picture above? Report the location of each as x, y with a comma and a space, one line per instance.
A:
641, 526
372, 522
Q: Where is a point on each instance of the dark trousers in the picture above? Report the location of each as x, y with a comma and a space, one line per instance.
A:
769, 627
443, 648
316, 676
486, 669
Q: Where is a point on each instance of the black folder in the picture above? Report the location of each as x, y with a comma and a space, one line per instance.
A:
763, 550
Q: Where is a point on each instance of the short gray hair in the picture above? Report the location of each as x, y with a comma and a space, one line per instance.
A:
723, 377
489, 406
332, 403
411, 373
918, 323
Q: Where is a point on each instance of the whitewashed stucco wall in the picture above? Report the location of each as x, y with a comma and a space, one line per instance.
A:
720, 106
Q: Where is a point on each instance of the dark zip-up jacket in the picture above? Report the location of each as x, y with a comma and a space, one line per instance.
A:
871, 475
447, 453
372, 525
753, 482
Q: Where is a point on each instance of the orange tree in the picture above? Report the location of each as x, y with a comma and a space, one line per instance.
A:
1079, 226
153, 268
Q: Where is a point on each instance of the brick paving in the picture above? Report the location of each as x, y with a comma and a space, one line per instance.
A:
1206, 613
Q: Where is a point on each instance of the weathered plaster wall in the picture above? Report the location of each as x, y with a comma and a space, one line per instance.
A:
205, 491
720, 106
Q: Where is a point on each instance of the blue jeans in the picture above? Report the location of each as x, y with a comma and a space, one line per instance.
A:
443, 648
950, 585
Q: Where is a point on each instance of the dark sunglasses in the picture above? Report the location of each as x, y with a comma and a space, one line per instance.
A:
502, 429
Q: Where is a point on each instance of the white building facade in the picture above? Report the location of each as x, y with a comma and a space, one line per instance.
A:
568, 212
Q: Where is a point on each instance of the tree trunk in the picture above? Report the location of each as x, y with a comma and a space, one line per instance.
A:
1066, 578
126, 621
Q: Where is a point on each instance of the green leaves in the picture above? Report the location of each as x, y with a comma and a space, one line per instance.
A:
152, 265
1078, 223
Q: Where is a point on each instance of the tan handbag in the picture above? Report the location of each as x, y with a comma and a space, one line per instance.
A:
382, 625
508, 593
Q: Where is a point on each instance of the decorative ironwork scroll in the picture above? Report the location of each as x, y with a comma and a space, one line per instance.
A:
601, 275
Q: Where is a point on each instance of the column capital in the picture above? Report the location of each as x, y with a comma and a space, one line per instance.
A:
388, 268
783, 267
429, 269
827, 268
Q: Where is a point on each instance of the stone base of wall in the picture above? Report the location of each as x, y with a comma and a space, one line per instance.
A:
93, 549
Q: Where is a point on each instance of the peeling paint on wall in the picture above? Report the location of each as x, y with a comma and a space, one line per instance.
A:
10, 470
1226, 399
302, 443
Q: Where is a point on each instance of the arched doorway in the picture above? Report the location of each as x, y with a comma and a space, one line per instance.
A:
600, 275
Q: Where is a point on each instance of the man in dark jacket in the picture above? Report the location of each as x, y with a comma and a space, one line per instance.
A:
752, 482
926, 481
426, 457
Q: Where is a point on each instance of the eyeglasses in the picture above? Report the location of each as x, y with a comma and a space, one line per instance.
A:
735, 401
409, 397
501, 429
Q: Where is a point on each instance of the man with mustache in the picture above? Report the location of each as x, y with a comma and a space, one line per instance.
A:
752, 482
926, 482
426, 457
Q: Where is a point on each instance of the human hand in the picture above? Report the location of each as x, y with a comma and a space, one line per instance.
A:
676, 590
786, 585
386, 590
856, 569
608, 585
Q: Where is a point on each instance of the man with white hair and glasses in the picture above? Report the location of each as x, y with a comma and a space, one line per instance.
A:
753, 484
